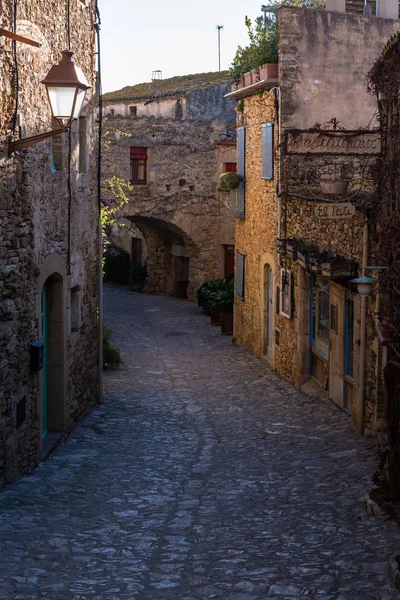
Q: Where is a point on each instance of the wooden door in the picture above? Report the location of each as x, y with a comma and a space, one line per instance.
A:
44, 370
268, 312
229, 261
336, 344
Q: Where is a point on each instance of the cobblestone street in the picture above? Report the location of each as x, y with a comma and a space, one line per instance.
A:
202, 476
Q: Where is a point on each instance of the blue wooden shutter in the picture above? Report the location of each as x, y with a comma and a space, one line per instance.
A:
239, 275
267, 151
241, 169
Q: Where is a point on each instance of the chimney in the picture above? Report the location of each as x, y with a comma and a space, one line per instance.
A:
156, 76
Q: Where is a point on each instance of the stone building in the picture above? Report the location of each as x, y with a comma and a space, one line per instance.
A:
172, 139
48, 236
307, 146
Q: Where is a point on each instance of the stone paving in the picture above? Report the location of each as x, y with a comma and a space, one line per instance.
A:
202, 476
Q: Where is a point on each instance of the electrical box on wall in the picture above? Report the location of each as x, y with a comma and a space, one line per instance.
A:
37, 352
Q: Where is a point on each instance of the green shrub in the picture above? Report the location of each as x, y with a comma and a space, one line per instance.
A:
117, 264
111, 355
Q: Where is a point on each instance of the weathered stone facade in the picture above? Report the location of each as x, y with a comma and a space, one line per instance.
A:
186, 129
47, 241
302, 244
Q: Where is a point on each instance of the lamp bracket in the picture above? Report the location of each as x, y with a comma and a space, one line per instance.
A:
13, 146
378, 270
18, 38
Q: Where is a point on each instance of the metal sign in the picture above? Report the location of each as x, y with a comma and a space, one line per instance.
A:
338, 143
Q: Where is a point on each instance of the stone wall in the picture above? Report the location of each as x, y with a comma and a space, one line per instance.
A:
256, 234
181, 204
324, 58
34, 209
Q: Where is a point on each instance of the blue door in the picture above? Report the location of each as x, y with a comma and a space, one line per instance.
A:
44, 371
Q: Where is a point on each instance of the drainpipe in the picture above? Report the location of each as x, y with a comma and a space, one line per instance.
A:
100, 232
363, 337
277, 92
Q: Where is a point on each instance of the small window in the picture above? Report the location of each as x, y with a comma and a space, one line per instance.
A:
138, 166
133, 111
56, 148
82, 145
230, 167
112, 112
267, 151
239, 275
75, 309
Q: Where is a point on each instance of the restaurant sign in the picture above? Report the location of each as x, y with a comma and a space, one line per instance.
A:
342, 142
335, 210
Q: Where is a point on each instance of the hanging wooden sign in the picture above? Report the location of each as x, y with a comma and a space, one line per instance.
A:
337, 210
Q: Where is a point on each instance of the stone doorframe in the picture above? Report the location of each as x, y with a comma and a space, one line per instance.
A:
53, 272
267, 258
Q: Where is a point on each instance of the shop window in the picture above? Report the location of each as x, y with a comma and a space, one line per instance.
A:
286, 294
239, 275
241, 169
320, 316
267, 151
138, 166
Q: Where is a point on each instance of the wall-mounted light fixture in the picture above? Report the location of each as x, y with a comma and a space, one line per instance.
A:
66, 88
366, 283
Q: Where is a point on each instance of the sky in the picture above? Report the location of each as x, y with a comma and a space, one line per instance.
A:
176, 36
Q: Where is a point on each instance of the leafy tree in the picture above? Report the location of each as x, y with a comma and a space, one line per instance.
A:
263, 36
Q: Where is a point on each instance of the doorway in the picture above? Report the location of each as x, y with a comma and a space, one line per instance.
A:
181, 275
44, 370
268, 312
53, 404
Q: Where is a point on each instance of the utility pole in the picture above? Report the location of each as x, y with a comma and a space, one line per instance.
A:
219, 27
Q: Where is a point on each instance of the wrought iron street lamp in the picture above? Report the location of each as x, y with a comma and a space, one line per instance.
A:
366, 284
66, 88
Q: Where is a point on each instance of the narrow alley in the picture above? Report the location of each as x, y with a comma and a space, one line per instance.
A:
203, 475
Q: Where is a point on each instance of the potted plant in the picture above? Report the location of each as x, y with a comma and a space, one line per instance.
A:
223, 299
230, 181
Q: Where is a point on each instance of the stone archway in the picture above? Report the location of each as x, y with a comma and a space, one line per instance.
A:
172, 258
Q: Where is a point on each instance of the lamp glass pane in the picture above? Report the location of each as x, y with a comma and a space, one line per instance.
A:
79, 101
61, 100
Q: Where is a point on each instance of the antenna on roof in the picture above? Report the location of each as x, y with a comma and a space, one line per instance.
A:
156, 75
219, 27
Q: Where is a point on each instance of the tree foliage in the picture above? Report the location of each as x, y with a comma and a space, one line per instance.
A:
263, 39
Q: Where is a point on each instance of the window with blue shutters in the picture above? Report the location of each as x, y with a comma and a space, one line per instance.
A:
267, 151
239, 275
241, 169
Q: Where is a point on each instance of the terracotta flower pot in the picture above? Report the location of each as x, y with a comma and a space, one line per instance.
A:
334, 187
227, 324
216, 317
